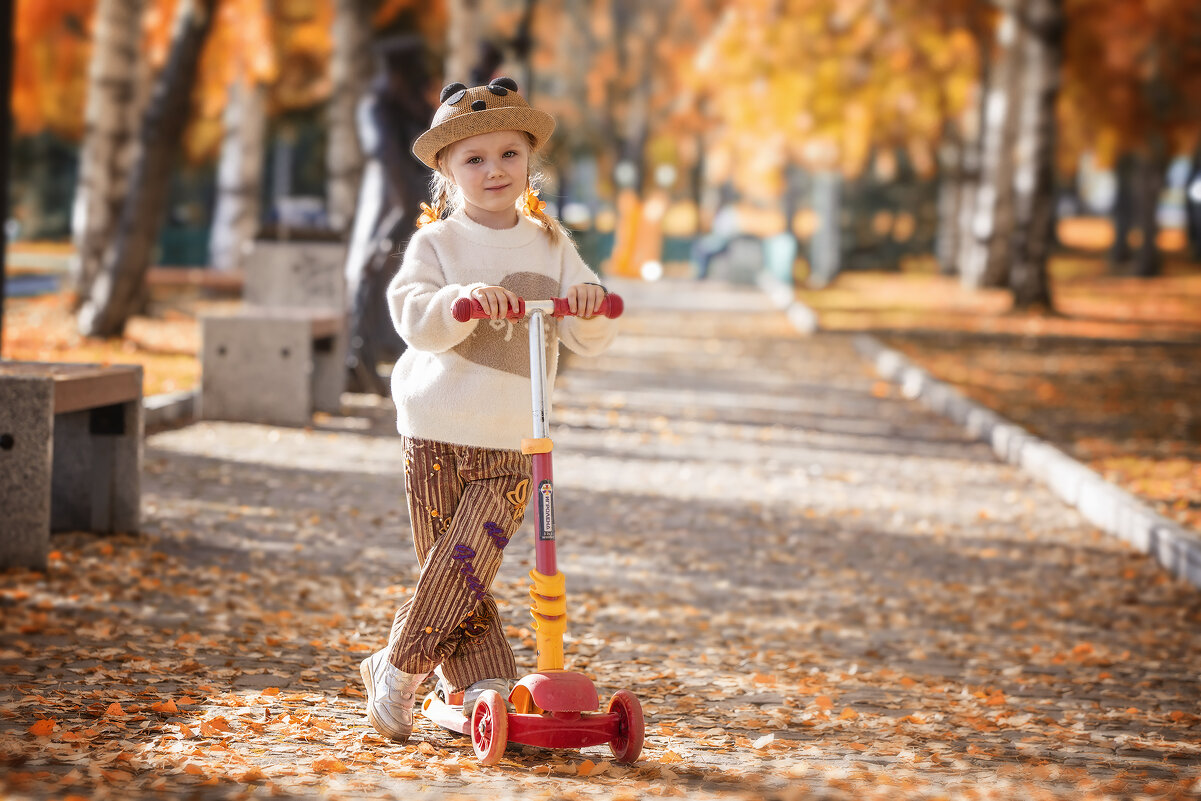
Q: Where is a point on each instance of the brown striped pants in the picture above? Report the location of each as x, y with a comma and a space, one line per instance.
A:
465, 503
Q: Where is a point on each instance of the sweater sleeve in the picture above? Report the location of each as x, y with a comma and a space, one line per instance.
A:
585, 337
420, 301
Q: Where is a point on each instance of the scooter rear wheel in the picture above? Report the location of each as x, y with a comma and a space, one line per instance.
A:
489, 727
631, 728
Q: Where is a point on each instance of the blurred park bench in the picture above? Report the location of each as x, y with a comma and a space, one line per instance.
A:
70, 454
281, 356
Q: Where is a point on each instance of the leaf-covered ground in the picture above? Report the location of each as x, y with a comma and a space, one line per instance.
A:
817, 590
1113, 378
164, 341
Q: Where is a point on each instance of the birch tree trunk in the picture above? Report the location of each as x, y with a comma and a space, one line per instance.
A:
119, 289
969, 190
991, 206
239, 175
350, 73
957, 189
950, 198
1034, 162
998, 251
109, 142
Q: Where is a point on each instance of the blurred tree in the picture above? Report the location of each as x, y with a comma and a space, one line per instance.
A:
986, 253
115, 97
119, 290
1132, 94
239, 63
350, 73
962, 161
1034, 198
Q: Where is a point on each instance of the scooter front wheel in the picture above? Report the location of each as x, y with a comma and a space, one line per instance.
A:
489, 727
631, 728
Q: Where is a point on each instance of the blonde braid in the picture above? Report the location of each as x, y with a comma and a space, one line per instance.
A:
531, 206
442, 193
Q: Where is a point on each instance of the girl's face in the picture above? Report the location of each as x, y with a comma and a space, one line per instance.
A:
491, 170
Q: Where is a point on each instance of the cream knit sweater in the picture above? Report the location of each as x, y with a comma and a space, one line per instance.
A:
469, 383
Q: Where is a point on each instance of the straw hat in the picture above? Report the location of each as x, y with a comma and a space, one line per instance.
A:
483, 109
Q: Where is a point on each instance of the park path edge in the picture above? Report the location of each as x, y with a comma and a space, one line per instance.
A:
1104, 504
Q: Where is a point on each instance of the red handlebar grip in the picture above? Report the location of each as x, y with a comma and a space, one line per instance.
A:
612, 307
466, 309
470, 309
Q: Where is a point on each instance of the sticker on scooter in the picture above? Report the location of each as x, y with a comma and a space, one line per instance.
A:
546, 511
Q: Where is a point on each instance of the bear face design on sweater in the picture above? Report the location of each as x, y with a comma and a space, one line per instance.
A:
505, 344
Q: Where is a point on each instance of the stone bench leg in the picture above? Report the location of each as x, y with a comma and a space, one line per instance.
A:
79, 471
329, 373
257, 370
26, 430
97, 470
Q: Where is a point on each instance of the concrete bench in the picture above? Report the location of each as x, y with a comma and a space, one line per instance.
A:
308, 275
281, 356
271, 365
70, 454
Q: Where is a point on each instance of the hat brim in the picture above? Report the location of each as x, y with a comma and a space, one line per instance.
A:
537, 124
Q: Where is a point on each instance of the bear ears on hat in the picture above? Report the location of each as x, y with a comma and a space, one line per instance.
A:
453, 92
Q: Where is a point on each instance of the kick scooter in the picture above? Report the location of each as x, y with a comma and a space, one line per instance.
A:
554, 708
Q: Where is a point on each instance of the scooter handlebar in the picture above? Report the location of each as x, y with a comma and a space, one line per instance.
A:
470, 309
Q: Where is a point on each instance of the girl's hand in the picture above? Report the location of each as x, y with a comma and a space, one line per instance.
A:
585, 300
496, 300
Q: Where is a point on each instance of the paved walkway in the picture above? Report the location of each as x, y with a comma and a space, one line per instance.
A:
817, 588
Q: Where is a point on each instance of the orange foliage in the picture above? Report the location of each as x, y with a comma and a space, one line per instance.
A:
1132, 70
50, 65
823, 86
284, 44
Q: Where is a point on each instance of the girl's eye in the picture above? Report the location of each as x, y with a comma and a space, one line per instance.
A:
474, 160
510, 154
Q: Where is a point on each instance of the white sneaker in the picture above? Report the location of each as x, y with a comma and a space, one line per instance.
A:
391, 694
472, 694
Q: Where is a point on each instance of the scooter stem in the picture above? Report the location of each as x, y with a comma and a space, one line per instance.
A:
548, 593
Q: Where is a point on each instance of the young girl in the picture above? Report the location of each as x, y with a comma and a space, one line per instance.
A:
462, 390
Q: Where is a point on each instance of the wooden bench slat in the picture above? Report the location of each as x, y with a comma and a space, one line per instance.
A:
78, 393
82, 386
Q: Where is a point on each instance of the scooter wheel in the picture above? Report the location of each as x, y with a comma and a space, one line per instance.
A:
489, 727
631, 729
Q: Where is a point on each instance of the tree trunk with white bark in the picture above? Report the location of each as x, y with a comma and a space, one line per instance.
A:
119, 289
992, 217
1034, 162
239, 176
110, 135
350, 74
